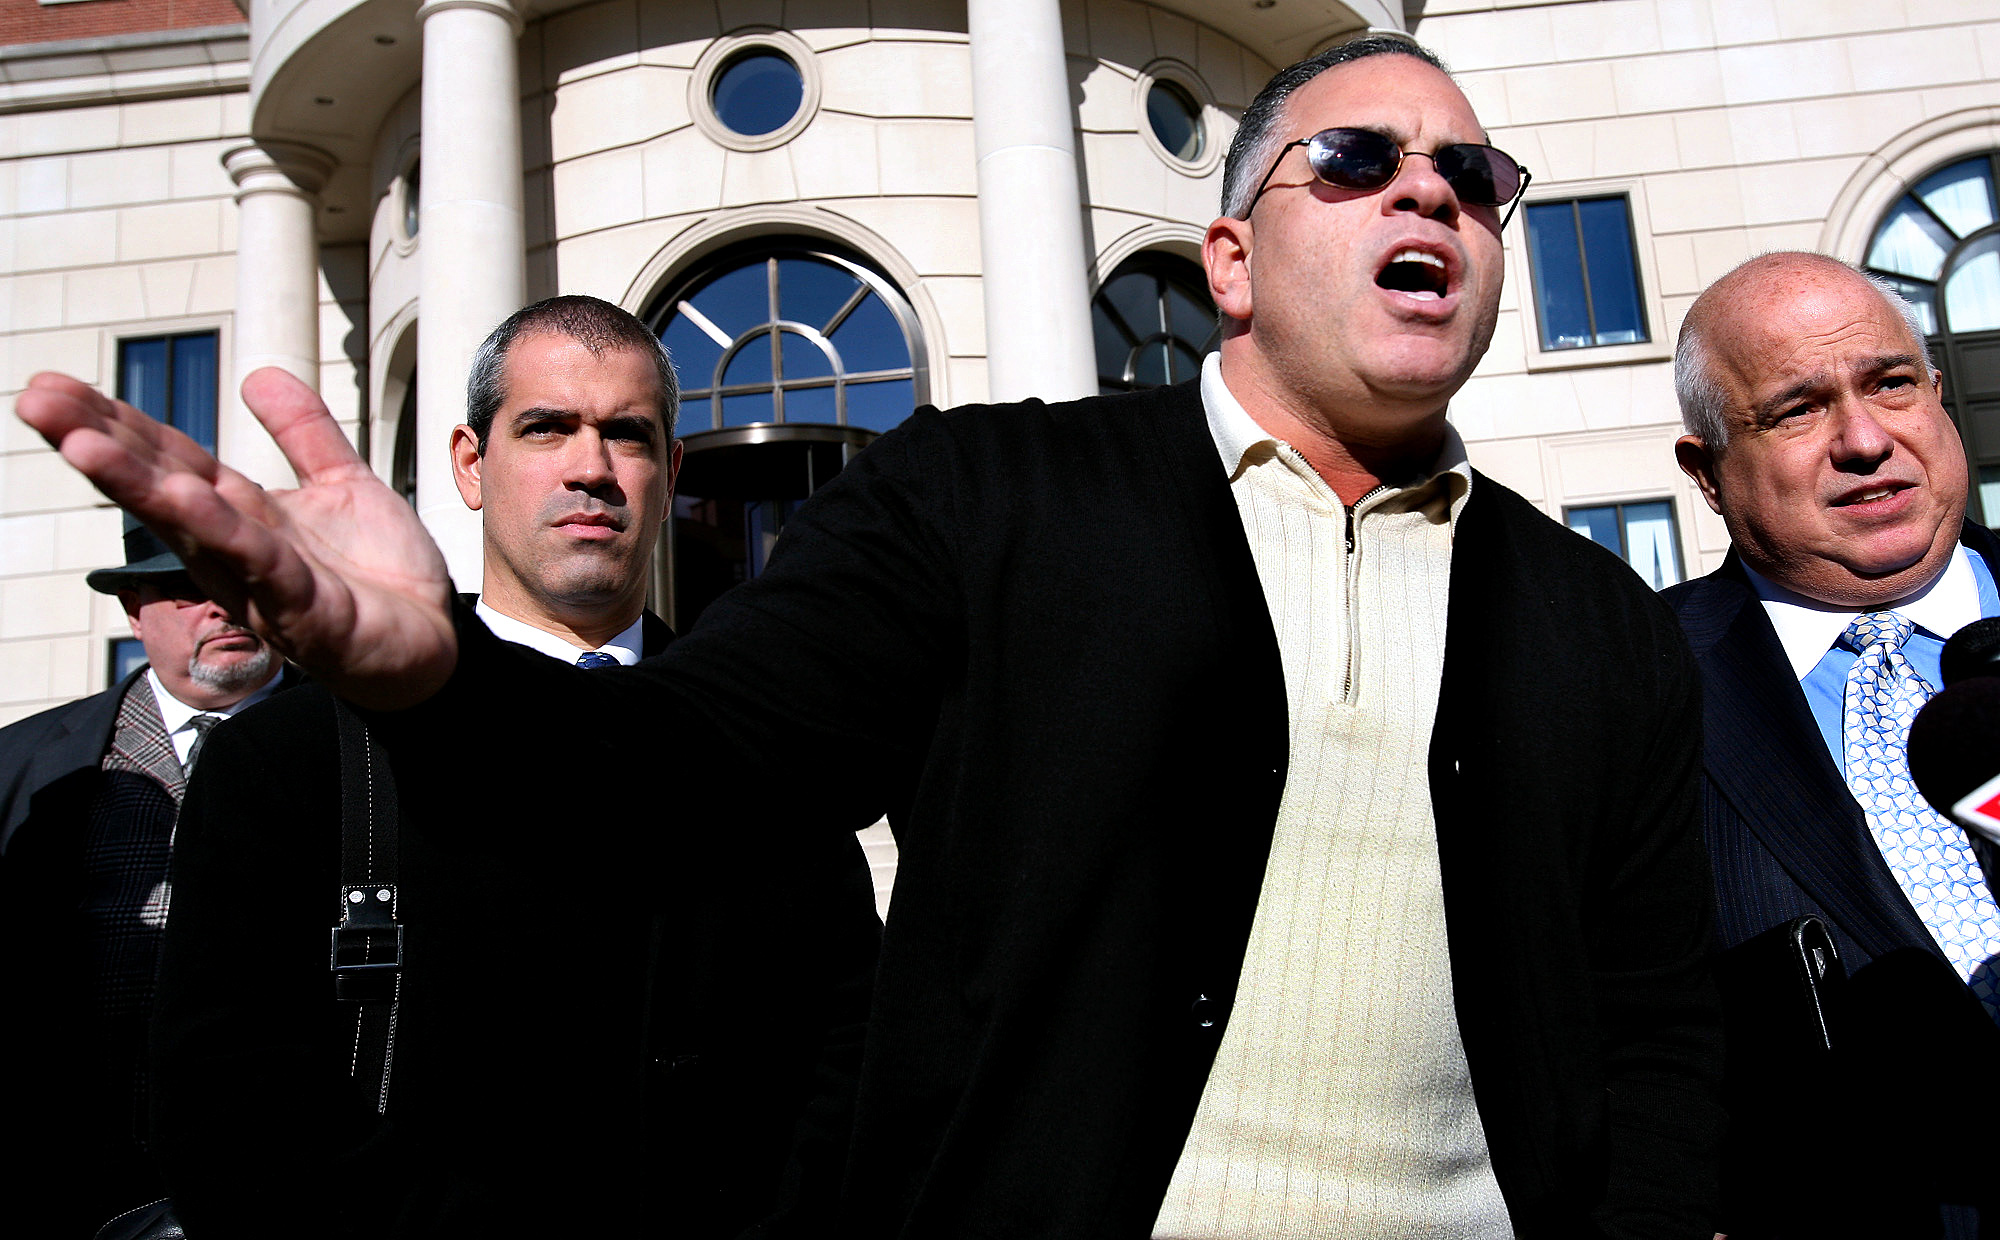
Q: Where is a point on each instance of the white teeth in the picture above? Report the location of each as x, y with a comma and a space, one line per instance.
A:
1418, 256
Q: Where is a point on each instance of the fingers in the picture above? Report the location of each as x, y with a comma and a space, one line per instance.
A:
298, 420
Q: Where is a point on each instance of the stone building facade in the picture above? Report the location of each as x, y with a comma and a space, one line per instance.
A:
925, 200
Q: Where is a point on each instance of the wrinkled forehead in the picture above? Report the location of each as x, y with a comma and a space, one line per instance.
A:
1390, 93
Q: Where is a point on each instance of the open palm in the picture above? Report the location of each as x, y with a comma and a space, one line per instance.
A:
338, 574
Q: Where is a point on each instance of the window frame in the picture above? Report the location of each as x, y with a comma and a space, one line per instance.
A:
1522, 276
159, 329
725, 51
1623, 551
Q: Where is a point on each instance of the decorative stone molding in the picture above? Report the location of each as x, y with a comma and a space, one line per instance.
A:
501, 8
277, 168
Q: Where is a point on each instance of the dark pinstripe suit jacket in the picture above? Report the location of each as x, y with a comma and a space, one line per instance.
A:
1893, 1106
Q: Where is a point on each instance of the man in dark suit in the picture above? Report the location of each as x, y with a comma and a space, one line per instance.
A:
1241, 877
1815, 429
566, 1052
89, 793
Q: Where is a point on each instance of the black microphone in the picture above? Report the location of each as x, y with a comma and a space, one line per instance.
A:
1954, 746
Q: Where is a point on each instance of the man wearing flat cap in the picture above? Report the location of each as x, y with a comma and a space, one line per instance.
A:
88, 797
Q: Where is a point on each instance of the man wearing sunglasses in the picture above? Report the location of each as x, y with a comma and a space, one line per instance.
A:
1297, 829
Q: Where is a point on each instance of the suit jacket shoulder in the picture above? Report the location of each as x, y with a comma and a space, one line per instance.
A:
43, 748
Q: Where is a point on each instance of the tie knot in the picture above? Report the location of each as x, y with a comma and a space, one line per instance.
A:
1880, 628
591, 660
202, 723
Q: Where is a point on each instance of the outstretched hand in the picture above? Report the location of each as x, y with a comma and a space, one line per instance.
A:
339, 574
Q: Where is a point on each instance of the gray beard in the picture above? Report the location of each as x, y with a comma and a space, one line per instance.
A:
239, 677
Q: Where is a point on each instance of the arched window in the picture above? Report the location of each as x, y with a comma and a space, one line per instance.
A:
792, 334
1940, 245
1153, 321
792, 356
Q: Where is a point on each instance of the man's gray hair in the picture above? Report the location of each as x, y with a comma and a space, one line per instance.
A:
1700, 393
592, 322
1257, 137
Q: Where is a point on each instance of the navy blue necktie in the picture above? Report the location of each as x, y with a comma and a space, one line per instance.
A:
591, 660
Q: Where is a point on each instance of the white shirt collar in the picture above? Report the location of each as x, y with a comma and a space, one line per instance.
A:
176, 713
1235, 433
1808, 629
626, 647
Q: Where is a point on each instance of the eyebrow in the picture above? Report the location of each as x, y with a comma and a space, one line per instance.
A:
1880, 364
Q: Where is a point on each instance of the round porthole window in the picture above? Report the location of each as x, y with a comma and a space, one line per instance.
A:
757, 92
1175, 118
754, 90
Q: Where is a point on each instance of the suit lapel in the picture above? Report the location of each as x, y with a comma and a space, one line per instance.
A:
1766, 757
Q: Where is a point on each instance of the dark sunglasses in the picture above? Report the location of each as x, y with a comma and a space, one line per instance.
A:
1363, 159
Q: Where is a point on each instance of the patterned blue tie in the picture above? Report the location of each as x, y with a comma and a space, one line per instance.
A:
591, 660
1930, 857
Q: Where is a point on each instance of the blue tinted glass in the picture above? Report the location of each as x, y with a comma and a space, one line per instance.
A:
871, 339
758, 93
752, 363
1558, 273
803, 358
1175, 119
1136, 298
695, 353
1614, 284
195, 387
142, 377
882, 405
738, 300
1599, 525
128, 655
812, 292
810, 405
743, 410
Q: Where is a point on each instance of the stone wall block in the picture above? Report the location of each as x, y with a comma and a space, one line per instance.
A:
169, 230
599, 191
1121, 32
193, 119
40, 185
886, 79
591, 39
926, 157
72, 239
103, 295
43, 606
27, 544
62, 130
683, 172
167, 288
1674, 82
1783, 71
87, 538
617, 109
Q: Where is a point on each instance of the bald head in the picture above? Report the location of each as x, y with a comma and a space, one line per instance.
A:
1817, 431
1757, 281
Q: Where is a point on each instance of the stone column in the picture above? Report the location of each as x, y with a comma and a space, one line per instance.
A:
277, 289
1036, 280
472, 245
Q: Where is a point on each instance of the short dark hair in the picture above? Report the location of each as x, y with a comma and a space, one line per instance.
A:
592, 322
1257, 139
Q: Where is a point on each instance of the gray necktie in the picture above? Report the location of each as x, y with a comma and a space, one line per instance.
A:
201, 724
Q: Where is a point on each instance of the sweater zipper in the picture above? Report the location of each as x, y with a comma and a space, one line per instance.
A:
1347, 575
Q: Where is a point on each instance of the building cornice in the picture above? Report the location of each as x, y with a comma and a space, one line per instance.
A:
115, 68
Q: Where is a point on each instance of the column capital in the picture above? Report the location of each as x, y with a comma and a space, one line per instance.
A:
277, 167
499, 8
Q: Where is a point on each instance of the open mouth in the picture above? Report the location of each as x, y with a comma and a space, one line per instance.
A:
1416, 273
1870, 495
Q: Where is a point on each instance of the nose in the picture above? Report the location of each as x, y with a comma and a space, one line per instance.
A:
589, 460
1419, 188
1860, 441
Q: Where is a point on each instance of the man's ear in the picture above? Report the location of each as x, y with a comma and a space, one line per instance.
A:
1698, 463
673, 473
1225, 252
129, 600
465, 463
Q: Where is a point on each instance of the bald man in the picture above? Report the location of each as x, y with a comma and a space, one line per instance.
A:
1815, 429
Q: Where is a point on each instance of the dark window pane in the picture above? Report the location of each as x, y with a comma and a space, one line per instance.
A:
881, 405
752, 363
743, 410
1557, 268
803, 358
1650, 546
809, 404
1187, 318
412, 200
738, 300
128, 655
812, 292
1599, 525
1150, 369
758, 93
694, 352
1184, 360
1136, 298
142, 377
1112, 345
871, 339
195, 387
1614, 284
1176, 120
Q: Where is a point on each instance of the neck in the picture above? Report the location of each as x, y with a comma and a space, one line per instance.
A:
1354, 448
585, 627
